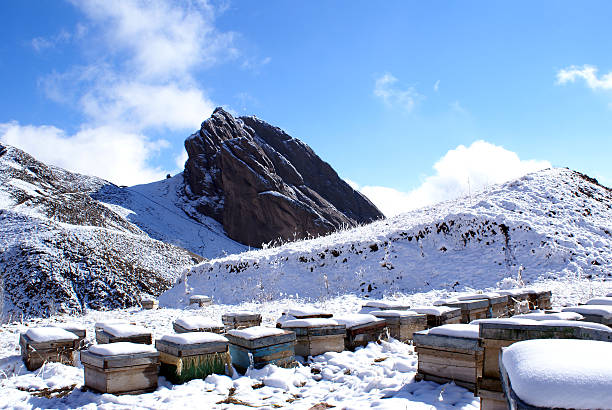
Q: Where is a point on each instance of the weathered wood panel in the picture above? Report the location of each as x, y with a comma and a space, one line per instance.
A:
282, 355
195, 349
261, 342
215, 329
103, 337
362, 335
34, 355
126, 380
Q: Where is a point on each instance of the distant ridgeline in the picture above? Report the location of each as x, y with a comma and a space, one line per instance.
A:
262, 185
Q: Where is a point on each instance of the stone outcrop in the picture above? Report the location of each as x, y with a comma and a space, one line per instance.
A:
262, 185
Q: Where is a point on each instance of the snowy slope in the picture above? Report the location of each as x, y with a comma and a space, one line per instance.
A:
162, 210
63, 251
554, 223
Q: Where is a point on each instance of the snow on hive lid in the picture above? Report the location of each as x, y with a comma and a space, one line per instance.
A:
66, 326
305, 311
194, 338
506, 321
314, 322
357, 319
456, 330
472, 296
433, 310
256, 332
199, 297
600, 301
574, 323
512, 292
121, 348
197, 322
385, 304
551, 316
599, 310
442, 302
561, 373
394, 313
126, 330
103, 323
240, 313
49, 334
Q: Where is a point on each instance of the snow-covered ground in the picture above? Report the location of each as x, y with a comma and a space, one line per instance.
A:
555, 223
379, 376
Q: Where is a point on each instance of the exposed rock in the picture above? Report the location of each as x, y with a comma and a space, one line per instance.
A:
264, 185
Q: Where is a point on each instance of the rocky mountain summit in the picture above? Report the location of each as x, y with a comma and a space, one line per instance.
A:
262, 185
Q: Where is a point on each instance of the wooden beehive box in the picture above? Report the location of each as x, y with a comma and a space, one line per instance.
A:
197, 324
316, 336
193, 355
47, 344
373, 305
240, 320
439, 315
149, 304
544, 300
498, 304
200, 300
518, 300
121, 368
302, 313
593, 313
362, 329
449, 353
495, 335
471, 309
259, 346
124, 333
402, 323
98, 327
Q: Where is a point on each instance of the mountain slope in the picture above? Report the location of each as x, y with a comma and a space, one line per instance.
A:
263, 185
553, 222
63, 251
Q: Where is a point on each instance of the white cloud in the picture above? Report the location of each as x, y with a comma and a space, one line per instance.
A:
436, 86
388, 89
42, 43
459, 171
112, 154
588, 73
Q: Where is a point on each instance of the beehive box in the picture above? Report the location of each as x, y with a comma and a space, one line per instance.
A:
449, 353
124, 333
149, 304
200, 300
439, 315
302, 313
498, 304
471, 309
544, 300
193, 355
40, 345
496, 335
316, 336
536, 374
259, 346
197, 324
518, 300
593, 313
362, 329
121, 368
240, 320
79, 331
402, 323
99, 326
373, 305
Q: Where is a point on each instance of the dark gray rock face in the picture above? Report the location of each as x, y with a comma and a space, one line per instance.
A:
264, 185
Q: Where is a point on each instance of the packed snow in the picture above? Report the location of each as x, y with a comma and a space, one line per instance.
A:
605, 311
432, 310
600, 301
393, 313
256, 332
193, 338
551, 316
561, 373
468, 331
304, 311
198, 322
506, 321
357, 319
121, 348
313, 322
49, 334
119, 330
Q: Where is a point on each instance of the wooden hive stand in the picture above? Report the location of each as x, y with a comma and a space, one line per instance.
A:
240, 320
121, 368
402, 323
40, 345
124, 333
197, 324
449, 353
362, 329
259, 346
200, 300
316, 336
593, 313
439, 315
193, 355
496, 335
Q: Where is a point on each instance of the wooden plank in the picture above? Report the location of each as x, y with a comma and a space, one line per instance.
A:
449, 371
103, 337
129, 380
443, 380
449, 360
180, 329
127, 360
451, 354
316, 345
191, 349
282, 355
327, 330
447, 342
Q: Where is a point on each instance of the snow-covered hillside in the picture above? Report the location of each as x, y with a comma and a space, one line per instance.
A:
61, 250
554, 223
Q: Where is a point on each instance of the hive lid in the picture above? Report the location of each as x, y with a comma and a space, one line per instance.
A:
49, 334
259, 336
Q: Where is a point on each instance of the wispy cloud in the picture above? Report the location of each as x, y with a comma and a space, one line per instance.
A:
393, 94
42, 43
459, 171
436, 86
588, 73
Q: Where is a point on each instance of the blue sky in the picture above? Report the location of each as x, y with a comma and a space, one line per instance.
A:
413, 102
